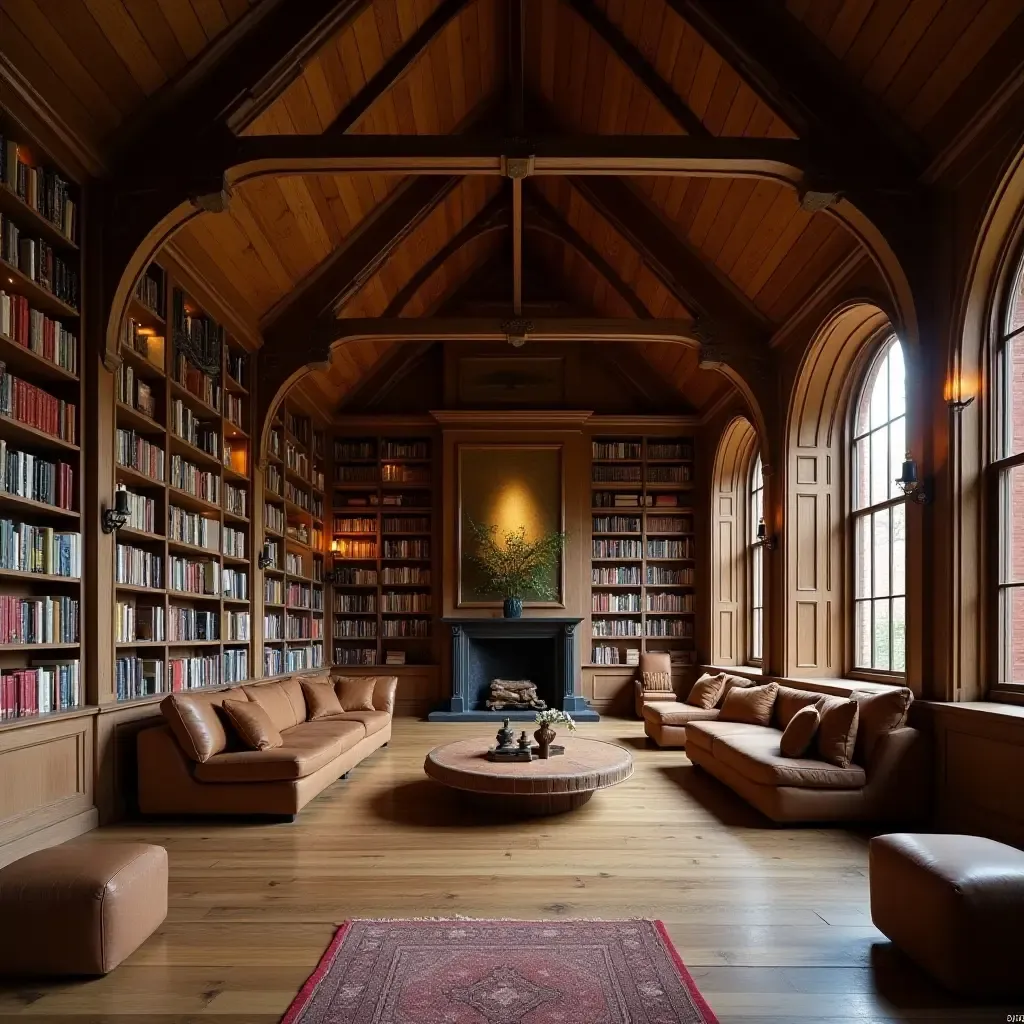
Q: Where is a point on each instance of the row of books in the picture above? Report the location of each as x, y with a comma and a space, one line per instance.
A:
661, 577
133, 391
194, 577
196, 383
273, 518
662, 602
669, 524
274, 481
617, 474
364, 629
358, 577
36, 408
141, 512
273, 661
184, 624
138, 677
616, 549
234, 410
140, 338
149, 290
40, 690
355, 655
400, 474
605, 602
138, 568
235, 584
298, 496
200, 483
362, 549
670, 548
628, 499
669, 450
302, 627
236, 665
405, 601
670, 627
299, 659
407, 549
134, 622
40, 187
615, 627
25, 547
238, 368
615, 450
193, 528
355, 604
293, 564
300, 595
406, 524
345, 451
193, 673
405, 627
38, 620
136, 452
273, 626
669, 474
39, 262
358, 524
31, 476
273, 590
37, 332
616, 524
616, 575
236, 500
197, 432
234, 542
238, 626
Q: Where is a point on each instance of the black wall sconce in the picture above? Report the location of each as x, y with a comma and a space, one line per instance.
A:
266, 559
763, 538
116, 517
909, 483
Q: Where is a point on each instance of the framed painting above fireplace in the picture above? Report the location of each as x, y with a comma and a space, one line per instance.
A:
508, 486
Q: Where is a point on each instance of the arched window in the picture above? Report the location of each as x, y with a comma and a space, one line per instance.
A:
1008, 466
755, 589
879, 518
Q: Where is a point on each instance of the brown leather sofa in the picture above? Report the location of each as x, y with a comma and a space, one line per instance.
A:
208, 772
887, 779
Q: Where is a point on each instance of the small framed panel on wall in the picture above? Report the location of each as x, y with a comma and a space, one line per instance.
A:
508, 486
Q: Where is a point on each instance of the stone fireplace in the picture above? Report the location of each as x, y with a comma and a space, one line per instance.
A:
540, 650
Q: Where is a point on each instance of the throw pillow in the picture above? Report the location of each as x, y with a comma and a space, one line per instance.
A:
283, 701
799, 734
253, 724
706, 691
837, 730
789, 701
751, 704
355, 693
321, 700
195, 725
655, 670
659, 682
879, 713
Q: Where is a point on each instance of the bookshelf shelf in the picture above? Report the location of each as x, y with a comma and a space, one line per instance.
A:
26, 363
38, 577
28, 218
38, 297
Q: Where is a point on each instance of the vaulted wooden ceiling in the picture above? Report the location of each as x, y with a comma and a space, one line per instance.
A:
914, 70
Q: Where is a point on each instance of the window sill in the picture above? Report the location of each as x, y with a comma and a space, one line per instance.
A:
1007, 694
840, 687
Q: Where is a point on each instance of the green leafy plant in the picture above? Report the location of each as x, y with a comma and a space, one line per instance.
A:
514, 566
553, 716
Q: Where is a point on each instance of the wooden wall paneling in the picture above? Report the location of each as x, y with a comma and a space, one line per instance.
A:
116, 760
46, 783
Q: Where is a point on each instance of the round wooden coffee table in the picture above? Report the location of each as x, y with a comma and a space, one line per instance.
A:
558, 784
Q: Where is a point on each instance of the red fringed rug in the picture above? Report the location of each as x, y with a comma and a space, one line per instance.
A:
500, 972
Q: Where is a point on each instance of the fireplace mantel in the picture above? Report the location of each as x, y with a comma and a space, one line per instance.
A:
549, 645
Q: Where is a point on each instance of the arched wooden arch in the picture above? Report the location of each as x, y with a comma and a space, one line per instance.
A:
730, 532
816, 598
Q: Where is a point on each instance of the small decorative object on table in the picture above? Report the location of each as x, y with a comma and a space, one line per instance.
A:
506, 737
507, 748
545, 734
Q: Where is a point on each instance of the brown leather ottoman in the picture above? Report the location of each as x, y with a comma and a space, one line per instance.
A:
665, 721
80, 908
954, 905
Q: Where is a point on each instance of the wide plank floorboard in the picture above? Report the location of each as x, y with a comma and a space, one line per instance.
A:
773, 923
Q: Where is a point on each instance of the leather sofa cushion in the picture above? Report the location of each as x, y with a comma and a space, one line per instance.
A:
706, 692
252, 724
733, 682
674, 713
305, 749
837, 730
756, 756
372, 721
195, 720
704, 733
798, 735
788, 701
384, 690
321, 700
879, 713
355, 693
282, 700
751, 704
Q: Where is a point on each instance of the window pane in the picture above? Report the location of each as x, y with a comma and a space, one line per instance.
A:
1011, 640
1011, 532
899, 549
862, 468
897, 450
1015, 312
880, 539
899, 635
879, 465
862, 557
1013, 396
862, 639
897, 382
880, 396
755, 639
880, 648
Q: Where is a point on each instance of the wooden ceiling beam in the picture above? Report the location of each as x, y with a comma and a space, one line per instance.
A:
493, 217
347, 269
793, 73
639, 66
395, 67
697, 285
516, 67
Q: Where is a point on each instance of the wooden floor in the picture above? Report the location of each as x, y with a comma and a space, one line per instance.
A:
773, 923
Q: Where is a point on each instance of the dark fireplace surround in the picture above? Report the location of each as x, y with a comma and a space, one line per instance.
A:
541, 650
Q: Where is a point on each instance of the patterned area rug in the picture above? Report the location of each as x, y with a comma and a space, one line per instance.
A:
500, 972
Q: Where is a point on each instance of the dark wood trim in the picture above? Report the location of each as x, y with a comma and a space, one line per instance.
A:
639, 66
517, 246
395, 365
516, 67
395, 67
493, 217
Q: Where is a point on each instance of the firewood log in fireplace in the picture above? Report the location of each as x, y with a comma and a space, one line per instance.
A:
515, 695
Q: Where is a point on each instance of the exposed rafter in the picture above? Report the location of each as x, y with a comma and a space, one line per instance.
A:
516, 114
396, 67
638, 64
682, 270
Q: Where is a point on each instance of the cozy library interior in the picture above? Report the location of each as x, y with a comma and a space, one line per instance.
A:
512, 511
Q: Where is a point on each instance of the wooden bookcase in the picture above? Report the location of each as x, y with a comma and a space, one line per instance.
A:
182, 449
41, 439
384, 545
293, 519
643, 548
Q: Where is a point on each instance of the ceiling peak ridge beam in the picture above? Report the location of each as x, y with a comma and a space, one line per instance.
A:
640, 67
793, 73
396, 67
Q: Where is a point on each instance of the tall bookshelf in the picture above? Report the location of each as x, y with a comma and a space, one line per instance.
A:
643, 549
294, 482
41, 434
182, 450
383, 546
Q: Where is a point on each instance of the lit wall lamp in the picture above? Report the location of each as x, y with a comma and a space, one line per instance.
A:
116, 517
766, 541
266, 558
909, 483
958, 395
